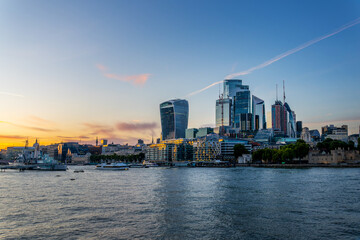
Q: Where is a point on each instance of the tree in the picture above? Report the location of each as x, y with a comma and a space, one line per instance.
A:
351, 145
239, 150
276, 157
287, 155
301, 149
267, 155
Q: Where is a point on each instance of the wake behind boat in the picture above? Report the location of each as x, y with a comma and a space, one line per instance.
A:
112, 166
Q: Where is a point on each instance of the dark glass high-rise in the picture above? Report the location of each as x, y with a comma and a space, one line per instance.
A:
174, 116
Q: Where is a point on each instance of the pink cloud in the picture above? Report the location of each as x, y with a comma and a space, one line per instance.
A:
101, 67
123, 126
137, 80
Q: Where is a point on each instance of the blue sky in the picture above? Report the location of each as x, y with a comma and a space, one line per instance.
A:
80, 68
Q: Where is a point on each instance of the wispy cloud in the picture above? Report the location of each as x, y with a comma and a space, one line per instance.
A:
101, 67
137, 80
99, 129
283, 55
12, 94
77, 137
41, 129
39, 121
123, 126
12, 137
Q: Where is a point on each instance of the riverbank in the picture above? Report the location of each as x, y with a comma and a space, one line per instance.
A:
299, 165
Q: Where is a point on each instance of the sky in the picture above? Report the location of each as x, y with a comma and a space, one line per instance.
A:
74, 70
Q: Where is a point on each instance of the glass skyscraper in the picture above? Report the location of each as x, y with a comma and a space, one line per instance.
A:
241, 104
258, 110
174, 116
231, 87
223, 112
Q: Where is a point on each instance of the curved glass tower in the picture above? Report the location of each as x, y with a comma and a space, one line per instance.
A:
174, 116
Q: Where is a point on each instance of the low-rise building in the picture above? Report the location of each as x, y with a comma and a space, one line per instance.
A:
334, 157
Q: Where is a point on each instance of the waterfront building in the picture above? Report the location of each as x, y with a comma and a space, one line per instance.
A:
258, 113
174, 150
190, 133
212, 147
207, 148
227, 147
174, 118
336, 156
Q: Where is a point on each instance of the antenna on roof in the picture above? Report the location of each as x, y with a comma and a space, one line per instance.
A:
277, 93
284, 90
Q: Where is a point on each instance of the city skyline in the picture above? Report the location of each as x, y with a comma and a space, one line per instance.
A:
72, 71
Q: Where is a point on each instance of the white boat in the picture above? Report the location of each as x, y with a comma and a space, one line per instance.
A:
112, 166
149, 164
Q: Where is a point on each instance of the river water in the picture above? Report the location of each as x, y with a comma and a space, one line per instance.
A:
181, 203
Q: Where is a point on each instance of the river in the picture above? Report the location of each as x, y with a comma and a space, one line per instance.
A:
181, 203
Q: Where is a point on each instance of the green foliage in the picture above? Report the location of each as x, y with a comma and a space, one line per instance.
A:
285, 154
239, 150
329, 144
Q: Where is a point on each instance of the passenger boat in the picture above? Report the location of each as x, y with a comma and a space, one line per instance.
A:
112, 166
137, 165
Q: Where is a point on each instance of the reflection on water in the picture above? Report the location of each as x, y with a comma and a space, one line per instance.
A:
181, 203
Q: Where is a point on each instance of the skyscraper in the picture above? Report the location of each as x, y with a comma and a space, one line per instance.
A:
258, 112
223, 112
291, 129
236, 96
231, 87
279, 118
174, 116
241, 104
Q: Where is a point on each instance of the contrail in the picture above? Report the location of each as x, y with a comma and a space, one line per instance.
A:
281, 56
11, 94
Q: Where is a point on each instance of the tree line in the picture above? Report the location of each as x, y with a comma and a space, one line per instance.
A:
286, 153
329, 144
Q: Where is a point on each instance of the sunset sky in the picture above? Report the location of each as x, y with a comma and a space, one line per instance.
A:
74, 70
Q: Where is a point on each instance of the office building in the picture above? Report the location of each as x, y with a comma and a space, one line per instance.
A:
204, 131
190, 133
279, 118
174, 118
223, 112
298, 128
258, 113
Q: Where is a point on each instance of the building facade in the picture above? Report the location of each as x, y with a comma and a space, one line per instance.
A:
279, 118
258, 113
174, 116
